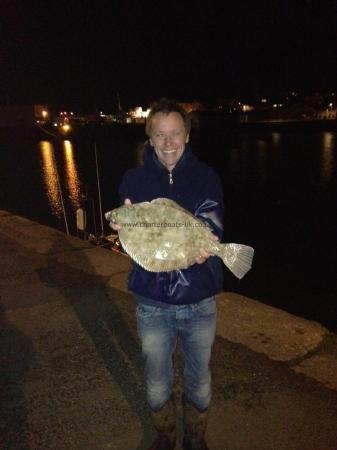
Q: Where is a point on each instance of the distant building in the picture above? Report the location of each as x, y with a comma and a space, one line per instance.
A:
138, 115
299, 111
24, 115
192, 106
328, 113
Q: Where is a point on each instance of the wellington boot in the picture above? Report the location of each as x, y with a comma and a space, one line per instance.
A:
164, 422
162, 442
195, 423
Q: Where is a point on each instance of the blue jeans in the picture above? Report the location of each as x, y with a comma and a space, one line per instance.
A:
159, 329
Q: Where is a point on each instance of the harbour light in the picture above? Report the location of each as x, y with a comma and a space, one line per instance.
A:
66, 127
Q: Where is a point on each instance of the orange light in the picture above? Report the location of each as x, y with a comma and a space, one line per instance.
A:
66, 127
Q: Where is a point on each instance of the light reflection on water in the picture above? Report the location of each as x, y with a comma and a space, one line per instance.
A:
234, 159
262, 157
50, 177
328, 157
71, 175
51, 170
275, 153
276, 137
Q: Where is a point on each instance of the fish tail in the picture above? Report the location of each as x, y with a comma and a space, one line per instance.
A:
237, 257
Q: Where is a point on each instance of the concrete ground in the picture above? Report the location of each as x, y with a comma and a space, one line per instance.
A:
71, 367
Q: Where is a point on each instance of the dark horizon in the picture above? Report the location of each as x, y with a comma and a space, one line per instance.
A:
70, 54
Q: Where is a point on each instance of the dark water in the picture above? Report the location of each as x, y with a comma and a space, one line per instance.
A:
280, 196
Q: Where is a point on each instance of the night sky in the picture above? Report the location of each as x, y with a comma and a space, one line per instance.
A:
81, 53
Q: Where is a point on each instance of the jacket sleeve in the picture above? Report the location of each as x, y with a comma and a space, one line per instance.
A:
124, 189
210, 208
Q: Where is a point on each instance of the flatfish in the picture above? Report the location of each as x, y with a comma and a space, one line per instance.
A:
162, 236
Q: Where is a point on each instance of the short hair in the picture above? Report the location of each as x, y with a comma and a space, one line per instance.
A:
167, 106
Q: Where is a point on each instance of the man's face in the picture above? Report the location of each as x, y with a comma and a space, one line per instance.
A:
168, 137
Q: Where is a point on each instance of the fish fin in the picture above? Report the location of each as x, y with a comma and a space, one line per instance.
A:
237, 257
107, 215
159, 266
166, 202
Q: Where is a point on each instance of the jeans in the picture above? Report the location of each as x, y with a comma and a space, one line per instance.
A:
159, 329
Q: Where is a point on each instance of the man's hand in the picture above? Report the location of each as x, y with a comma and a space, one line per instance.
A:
116, 226
204, 255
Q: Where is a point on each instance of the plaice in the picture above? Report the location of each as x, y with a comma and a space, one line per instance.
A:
162, 236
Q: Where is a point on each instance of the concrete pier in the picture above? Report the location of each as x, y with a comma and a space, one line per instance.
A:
71, 366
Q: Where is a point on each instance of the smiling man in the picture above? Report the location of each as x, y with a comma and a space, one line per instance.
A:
178, 304
168, 135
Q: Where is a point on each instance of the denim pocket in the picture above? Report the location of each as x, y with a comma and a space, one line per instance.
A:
207, 306
146, 311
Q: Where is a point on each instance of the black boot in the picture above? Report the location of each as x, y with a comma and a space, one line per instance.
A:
195, 423
164, 422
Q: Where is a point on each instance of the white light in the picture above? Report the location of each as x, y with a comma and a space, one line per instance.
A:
138, 113
246, 108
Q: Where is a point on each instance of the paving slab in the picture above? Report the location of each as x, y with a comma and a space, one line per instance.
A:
321, 367
70, 401
262, 328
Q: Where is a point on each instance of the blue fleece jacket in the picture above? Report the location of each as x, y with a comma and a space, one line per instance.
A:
197, 188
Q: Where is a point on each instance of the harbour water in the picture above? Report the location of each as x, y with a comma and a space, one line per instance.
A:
280, 197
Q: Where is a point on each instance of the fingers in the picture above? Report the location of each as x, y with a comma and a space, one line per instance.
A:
204, 255
127, 202
200, 260
114, 226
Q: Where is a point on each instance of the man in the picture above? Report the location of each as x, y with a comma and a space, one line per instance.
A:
178, 304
